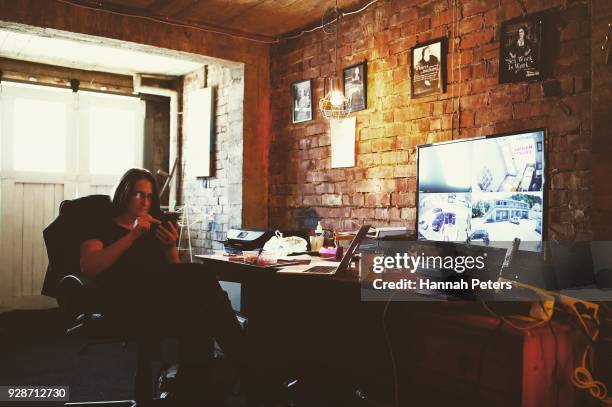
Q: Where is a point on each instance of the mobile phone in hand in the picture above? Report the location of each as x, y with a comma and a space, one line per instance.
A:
165, 218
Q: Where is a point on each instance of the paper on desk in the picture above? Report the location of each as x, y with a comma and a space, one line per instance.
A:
301, 259
343, 142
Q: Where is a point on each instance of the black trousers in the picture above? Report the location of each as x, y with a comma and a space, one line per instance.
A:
183, 301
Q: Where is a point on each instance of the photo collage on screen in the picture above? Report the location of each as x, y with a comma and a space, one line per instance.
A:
485, 191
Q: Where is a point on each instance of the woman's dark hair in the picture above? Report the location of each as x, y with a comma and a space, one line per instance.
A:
125, 187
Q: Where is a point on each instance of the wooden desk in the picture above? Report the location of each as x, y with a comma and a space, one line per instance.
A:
447, 353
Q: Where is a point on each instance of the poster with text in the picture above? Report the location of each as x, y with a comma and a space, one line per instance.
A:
429, 68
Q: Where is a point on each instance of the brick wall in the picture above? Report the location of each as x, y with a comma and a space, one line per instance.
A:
601, 16
221, 194
381, 188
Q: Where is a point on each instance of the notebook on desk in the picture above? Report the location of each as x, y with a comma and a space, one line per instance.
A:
331, 270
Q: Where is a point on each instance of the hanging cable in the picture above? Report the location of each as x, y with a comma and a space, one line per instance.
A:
583, 379
390, 349
340, 15
348, 13
168, 21
454, 48
458, 42
177, 23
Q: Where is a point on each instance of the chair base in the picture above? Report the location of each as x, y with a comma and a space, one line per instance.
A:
117, 403
123, 403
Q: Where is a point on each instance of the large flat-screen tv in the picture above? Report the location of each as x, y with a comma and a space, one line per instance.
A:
485, 190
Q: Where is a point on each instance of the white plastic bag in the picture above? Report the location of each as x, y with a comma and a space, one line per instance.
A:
282, 246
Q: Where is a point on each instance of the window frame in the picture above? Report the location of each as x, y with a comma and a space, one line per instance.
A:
77, 154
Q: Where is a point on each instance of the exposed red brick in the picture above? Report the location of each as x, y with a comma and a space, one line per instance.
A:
386, 171
583, 160
324, 188
381, 199
467, 119
470, 24
472, 7
423, 24
331, 200
445, 17
522, 110
381, 188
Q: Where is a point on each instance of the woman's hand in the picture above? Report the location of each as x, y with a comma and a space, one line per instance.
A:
167, 234
143, 223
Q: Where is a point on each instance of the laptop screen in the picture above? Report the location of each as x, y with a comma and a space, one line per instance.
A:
350, 251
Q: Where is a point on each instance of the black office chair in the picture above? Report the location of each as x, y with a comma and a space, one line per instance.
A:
95, 328
76, 297
76, 294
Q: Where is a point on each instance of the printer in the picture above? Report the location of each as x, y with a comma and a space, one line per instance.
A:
253, 239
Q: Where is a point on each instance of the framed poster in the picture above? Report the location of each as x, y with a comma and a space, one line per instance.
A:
520, 51
301, 101
428, 67
354, 79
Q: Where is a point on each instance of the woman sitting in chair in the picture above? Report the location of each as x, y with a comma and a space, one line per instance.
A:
134, 261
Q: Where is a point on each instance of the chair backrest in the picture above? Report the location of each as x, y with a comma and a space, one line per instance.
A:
64, 235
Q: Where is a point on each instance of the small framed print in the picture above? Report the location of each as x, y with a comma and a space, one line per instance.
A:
354, 79
301, 97
428, 67
520, 50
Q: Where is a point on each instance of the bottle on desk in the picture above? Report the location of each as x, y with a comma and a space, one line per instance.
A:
319, 238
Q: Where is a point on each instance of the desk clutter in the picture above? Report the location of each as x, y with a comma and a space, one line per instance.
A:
239, 240
275, 249
277, 244
262, 259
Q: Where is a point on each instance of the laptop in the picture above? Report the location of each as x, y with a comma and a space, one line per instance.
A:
331, 270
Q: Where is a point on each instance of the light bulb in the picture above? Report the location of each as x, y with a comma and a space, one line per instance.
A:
336, 98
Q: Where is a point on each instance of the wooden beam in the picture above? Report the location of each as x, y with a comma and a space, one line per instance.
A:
170, 8
60, 76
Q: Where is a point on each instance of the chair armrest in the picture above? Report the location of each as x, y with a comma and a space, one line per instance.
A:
76, 296
75, 279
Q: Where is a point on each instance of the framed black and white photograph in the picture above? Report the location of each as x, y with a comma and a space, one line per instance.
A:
520, 51
428, 67
301, 96
355, 82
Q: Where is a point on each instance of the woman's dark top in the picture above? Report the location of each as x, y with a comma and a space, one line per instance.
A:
150, 298
146, 255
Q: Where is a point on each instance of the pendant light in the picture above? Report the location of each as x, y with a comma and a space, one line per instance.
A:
334, 105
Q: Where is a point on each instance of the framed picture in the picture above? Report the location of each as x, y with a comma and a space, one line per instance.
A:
428, 67
354, 79
520, 51
301, 97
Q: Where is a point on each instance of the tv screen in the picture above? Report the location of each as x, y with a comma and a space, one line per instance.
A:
483, 191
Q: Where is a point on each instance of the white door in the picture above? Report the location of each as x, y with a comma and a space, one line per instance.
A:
55, 145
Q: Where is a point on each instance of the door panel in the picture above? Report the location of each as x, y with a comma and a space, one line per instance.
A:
29, 200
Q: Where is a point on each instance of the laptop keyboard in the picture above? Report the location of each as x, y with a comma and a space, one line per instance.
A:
320, 269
